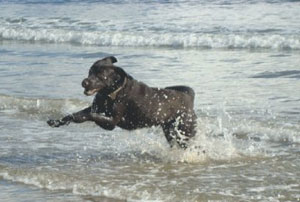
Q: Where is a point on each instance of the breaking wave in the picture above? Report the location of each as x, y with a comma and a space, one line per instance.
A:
152, 39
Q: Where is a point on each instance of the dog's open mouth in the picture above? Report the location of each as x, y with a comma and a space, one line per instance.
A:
91, 92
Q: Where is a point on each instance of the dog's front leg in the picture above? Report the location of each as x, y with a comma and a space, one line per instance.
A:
78, 117
107, 123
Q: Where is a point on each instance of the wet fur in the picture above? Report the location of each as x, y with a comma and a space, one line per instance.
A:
130, 104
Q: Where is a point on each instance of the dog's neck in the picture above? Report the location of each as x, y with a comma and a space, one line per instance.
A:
114, 94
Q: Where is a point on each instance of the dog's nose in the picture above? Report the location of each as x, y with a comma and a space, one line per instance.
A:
85, 83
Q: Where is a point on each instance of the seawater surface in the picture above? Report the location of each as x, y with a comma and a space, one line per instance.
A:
241, 58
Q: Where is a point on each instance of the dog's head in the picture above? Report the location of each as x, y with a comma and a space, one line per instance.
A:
103, 77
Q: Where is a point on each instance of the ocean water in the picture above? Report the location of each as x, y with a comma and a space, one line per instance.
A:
241, 57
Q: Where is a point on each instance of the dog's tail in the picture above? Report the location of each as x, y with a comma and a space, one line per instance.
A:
184, 89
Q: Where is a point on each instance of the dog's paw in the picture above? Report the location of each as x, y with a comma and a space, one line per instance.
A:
54, 123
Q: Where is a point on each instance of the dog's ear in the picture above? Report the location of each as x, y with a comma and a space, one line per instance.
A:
110, 60
121, 72
106, 61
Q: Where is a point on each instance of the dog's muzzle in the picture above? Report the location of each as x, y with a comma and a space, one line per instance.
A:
86, 84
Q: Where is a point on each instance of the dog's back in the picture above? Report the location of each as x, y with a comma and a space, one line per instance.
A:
170, 107
184, 89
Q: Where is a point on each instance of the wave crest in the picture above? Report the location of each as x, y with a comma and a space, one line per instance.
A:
151, 39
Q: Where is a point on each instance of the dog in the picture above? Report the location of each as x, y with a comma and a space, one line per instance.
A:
122, 101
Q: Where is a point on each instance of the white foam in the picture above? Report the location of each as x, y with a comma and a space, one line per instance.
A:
223, 138
33, 178
151, 39
213, 142
86, 186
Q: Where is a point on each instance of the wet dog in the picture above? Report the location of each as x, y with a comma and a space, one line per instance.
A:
122, 101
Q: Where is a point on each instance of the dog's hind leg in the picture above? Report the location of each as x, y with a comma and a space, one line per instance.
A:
169, 133
174, 134
181, 129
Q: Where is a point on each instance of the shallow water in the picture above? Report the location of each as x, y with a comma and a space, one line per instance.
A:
241, 58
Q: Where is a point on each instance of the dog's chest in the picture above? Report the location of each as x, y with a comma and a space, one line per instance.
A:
103, 106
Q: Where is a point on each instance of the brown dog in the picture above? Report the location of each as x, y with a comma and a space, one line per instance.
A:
125, 102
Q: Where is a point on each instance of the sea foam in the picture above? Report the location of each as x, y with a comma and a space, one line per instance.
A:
153, 39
